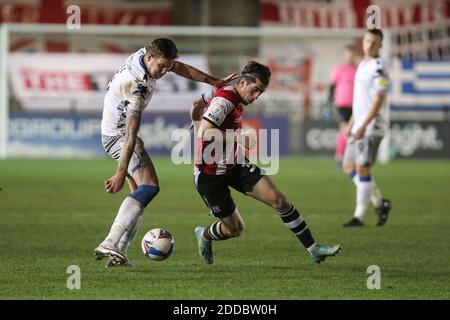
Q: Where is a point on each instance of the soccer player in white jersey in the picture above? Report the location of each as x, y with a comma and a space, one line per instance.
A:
366, 128
128, 94
224, 110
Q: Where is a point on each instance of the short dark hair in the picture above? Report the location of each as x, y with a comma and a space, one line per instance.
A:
253, 70
163, 47
377, 32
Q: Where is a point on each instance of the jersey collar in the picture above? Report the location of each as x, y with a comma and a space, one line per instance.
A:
141, 62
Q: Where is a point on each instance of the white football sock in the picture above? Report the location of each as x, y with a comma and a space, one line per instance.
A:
359, 212
363, 190
129, 236
355, 180
127, 216
375, 194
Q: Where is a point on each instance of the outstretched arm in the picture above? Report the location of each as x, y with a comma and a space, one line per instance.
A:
189, 72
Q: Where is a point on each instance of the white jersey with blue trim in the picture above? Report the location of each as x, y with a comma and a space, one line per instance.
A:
371, 77
128, 93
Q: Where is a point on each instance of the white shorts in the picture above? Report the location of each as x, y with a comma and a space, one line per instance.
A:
139, 158
362, 151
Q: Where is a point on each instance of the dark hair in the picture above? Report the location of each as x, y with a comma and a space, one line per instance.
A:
253, 70
376, 32
163, 47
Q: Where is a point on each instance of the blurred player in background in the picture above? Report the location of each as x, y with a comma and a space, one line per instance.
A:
367, 128
341, 95
128, 93
213, 179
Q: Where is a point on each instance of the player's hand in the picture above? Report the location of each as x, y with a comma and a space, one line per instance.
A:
346, 131
248, 140
224, 81
195, 126
115, 183
359, 134
251, 142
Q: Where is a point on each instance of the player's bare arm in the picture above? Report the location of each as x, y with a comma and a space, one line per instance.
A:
197, 109
349, 126
196, 113
207, 131
189, 72
115, 183
378, 101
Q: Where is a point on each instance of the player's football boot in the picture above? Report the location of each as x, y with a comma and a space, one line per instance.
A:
102, 251
204, 246
354, 222
115, 262
383, 212
321, 252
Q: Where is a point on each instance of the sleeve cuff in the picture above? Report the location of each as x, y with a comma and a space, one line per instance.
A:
212, 122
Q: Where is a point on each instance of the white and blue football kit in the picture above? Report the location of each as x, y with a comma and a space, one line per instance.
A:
129, 92
371, 77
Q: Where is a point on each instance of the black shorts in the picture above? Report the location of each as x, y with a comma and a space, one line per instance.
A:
345, 114
215, 192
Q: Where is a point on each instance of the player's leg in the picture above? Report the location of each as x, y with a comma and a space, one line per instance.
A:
363, 190
216, 195
129, 217
227, 227
128, 236
340, 144
265, 190
348, 161
382, 205
232, 226
131, 183
126, 223
349, 168
366, 188
341, 138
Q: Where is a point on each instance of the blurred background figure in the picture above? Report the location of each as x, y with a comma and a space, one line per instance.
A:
341, 95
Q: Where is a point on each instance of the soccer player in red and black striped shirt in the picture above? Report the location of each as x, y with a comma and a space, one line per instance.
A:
215, 171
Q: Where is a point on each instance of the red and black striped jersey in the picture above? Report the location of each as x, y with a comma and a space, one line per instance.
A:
224, 112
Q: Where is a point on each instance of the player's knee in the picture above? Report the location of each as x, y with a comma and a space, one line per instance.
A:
145, 193
363, 171
348, 168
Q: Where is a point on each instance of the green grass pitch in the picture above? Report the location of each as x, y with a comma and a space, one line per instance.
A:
53, 213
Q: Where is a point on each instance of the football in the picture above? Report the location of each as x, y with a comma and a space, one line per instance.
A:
157, 244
